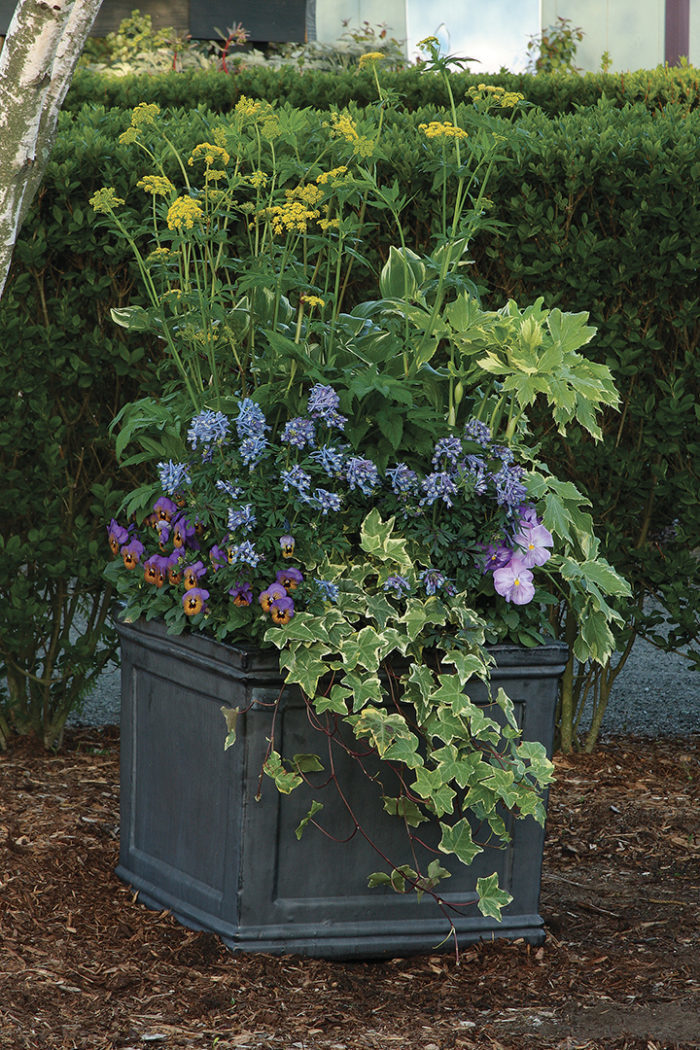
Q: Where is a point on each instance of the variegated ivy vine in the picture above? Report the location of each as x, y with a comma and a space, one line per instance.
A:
458, 762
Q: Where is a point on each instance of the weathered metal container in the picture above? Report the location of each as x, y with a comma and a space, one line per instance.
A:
196, 841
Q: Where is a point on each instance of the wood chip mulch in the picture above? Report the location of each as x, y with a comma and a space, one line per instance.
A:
85, 966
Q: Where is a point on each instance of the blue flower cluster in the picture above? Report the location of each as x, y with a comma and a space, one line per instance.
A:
208, 428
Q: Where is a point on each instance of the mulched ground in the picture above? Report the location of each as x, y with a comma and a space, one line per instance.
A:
84, 965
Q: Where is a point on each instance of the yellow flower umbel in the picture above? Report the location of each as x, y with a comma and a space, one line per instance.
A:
211, 155
297, 212
442, 129
183, 213
158, 185
333, 176
494, 95
369, 58
343, 126
144, 113
105, 200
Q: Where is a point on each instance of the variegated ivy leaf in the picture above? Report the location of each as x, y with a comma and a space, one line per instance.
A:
316, 807
231, 716
363, 649
457, 839
307, 763
405, 809
377, 539
364, 688
492, 899
467, 665
419, 613
397, 878
285, 781
436, 873
335, 701
382, 729
429, 785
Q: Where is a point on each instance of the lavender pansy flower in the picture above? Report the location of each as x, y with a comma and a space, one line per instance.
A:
534, 541
514, 582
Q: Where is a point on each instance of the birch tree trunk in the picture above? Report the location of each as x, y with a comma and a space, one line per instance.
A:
42, 47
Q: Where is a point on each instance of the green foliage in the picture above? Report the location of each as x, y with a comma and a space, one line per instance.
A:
457, 771
599, 207
554, 49
218, 92
593, 210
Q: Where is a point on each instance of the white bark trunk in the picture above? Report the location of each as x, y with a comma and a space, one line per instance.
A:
41, 49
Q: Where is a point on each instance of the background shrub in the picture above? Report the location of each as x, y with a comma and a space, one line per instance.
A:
593, 209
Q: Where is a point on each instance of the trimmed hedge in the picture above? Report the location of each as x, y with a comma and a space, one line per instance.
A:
554, 93
599, 213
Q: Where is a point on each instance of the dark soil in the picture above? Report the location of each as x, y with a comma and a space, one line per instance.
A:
84, 965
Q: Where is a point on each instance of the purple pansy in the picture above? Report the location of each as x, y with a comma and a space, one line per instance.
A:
514, 582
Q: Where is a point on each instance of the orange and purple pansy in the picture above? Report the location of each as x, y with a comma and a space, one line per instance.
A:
131, 553
117, 536
271, 594
242, 594
289, 578
155, 570
195, 601
282, 610
193, 574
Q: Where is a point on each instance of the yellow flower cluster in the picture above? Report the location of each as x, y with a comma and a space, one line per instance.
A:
144, 113
496, 95
248, 107
369, 57
158, 185
334, 174
210, 154
294, 216
105, 200
313, 300
257, 179
183, 213
310, 195
158, 255
442, 129
342, 126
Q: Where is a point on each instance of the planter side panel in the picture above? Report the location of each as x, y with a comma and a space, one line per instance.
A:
196, 841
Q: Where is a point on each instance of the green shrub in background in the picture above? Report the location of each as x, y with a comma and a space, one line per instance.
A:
601, 209
64, 372
597, 208
553, 93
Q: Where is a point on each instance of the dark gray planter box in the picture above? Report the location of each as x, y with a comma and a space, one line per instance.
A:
195, 841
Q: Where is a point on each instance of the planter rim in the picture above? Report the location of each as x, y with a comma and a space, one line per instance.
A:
548, 659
